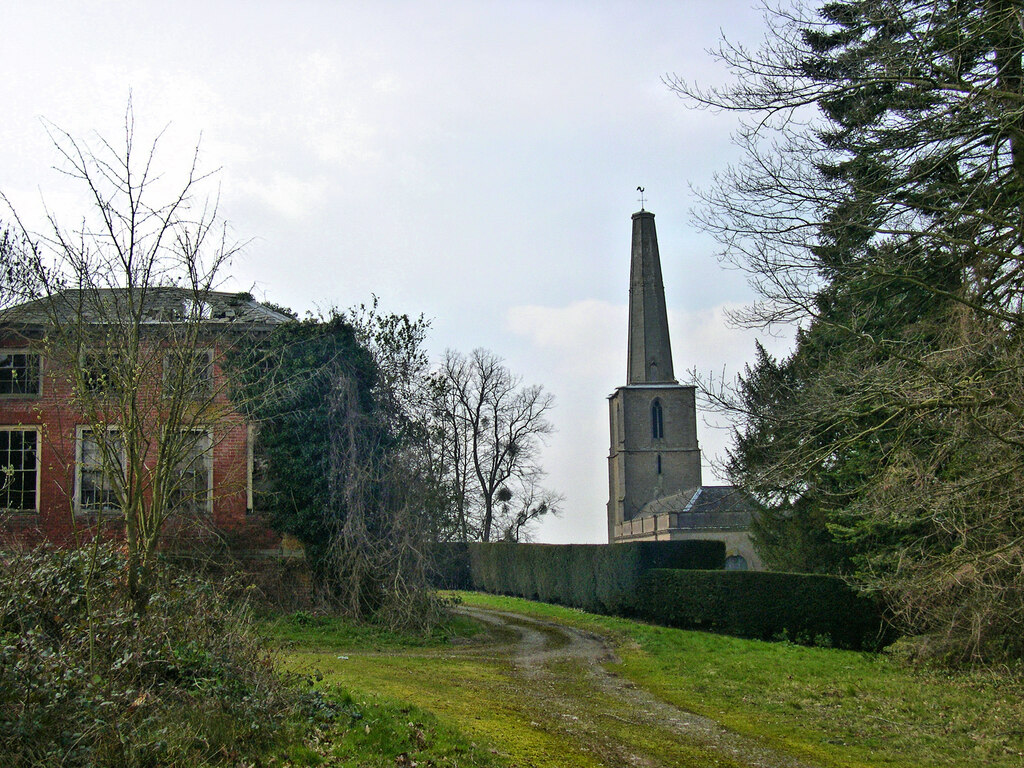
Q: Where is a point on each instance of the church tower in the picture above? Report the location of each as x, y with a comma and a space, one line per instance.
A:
654, 451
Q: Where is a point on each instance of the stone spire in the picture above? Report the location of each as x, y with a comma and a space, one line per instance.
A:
650, 353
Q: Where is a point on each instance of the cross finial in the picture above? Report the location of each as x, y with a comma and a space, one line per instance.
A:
641, 191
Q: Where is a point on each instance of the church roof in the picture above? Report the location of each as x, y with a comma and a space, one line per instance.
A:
709, 506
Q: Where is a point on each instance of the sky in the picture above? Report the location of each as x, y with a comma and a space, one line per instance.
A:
474, 162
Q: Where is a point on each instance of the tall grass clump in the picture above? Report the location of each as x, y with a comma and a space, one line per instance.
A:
86, 680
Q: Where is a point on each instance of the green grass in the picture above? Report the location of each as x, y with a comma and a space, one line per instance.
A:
473, 696
830, 707
302, 630
370, 732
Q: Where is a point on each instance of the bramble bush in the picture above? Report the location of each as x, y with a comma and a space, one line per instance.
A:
86, 681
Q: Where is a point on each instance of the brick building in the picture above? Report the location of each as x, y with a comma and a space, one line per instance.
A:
63, 458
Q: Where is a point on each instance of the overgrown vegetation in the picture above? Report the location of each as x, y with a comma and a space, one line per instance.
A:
117, 304
369, 458
337, 467
879, 206
85, 680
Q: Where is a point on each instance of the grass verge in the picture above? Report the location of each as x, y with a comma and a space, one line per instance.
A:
832, 708
306, 631
357, 731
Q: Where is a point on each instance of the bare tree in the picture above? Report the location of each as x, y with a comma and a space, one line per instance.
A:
523, 507
492, 427
122, 304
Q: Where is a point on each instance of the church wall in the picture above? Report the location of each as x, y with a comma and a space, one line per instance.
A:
660, 528
680, 470
633, 474
679, 417
616, 479
736, 543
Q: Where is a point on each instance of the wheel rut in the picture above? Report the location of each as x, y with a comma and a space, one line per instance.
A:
562, 670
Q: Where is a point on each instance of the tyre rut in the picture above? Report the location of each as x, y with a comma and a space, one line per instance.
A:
562, 671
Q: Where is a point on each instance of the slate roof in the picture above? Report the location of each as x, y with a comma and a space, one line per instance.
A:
161, 306
709, 506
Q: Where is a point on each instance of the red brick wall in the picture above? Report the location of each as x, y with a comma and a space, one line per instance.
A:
57, 420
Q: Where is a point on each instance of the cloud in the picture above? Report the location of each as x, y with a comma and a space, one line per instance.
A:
578, 352
292, 197
588, 338
583, 338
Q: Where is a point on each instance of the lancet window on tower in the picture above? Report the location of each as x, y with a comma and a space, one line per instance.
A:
657, 421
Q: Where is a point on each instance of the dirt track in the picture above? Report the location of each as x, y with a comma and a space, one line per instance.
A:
562, 671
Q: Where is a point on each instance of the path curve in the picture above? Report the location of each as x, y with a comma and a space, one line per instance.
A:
542, 652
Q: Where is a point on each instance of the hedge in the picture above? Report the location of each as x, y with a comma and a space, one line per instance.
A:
448, 565
806, 608
602, 578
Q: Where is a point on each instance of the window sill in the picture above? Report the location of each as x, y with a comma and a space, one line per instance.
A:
89, 515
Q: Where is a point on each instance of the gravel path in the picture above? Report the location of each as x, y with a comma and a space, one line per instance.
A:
562, 671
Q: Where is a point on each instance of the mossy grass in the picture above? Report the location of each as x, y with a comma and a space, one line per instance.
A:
473, 696
827, 706
473, 689
305, 630
373, 732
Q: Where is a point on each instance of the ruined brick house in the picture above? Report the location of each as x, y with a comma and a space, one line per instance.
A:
51, 482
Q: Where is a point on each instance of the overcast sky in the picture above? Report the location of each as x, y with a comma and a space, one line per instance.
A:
473, 161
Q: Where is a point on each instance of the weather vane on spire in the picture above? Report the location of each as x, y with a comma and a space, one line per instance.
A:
641, 191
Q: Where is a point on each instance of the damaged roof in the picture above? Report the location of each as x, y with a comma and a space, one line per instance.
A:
162, 305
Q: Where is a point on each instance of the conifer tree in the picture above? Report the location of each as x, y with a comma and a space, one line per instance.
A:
881, 206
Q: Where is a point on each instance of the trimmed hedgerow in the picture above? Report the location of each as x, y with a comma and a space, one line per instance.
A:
804, 608
596, 577
449, 565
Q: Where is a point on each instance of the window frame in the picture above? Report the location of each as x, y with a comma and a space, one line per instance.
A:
90, 385
208, 452
80, 431
38, 468
657, 420
250, 467
194, 392
39, 371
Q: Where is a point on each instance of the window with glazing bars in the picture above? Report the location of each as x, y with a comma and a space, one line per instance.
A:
19, 373
19, 469
100, 470
191, 485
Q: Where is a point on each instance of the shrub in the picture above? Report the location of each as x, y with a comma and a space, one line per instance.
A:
805, 608
595, 577
84, 680
449, 566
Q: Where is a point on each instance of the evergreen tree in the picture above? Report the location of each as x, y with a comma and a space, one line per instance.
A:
881, 205
337, 463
